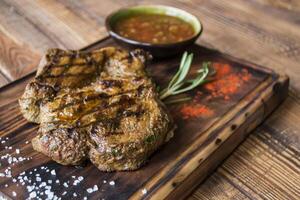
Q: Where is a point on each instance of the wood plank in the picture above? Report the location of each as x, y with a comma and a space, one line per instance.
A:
267, 164
189, 157
3, 80
292, 5
59, 24
49, 23
20, 57
227, 34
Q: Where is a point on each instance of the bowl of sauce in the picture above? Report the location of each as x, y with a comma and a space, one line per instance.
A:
161, 30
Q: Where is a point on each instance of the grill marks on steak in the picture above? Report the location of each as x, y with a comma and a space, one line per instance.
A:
99, 106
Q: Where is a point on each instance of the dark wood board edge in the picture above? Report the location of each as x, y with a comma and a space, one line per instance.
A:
262, 102
254, 115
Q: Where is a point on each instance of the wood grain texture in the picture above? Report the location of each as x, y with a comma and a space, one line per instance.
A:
188, 157
262, 31
28, 28
265, 166
3, 80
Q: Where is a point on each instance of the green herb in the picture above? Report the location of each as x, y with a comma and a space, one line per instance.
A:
150, 139
179, 84
171, 101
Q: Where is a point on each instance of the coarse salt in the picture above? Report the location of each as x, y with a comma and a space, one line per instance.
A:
32, 195
89, 190
95, 188
144, 191
111, 183
53, 172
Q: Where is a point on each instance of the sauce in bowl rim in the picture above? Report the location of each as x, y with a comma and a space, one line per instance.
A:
154, 28
153, 9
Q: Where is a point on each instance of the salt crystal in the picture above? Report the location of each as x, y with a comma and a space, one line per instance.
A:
14, 180
30, 188
2, 174
38, 179
104, 181
17, 151
49, 181
111, 183
75, 182
32, 195
73, 176
14, 193
53, 172
89, 190
5, 185
23, 173
95, 188
43, 184
74, 194
10, 148
48, 187
57, 181
66, 185
144, 191
84, 198
64, 193
80, 178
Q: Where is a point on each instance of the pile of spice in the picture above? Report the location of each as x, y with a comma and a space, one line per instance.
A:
197, 110
226, 82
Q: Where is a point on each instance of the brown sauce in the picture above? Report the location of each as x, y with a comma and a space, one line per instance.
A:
154, 28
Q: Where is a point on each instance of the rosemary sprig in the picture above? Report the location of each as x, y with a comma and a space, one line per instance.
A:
178, 84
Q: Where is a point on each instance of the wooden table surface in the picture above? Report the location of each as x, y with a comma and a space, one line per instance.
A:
266, 32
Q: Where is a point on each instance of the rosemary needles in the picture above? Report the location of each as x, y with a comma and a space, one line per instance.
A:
179, 84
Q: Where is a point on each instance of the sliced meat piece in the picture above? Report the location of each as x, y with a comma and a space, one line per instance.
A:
96, 105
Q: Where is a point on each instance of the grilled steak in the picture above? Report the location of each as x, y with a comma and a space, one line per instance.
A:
99, 106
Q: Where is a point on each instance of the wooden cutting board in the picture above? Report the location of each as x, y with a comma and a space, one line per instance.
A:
218, 117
